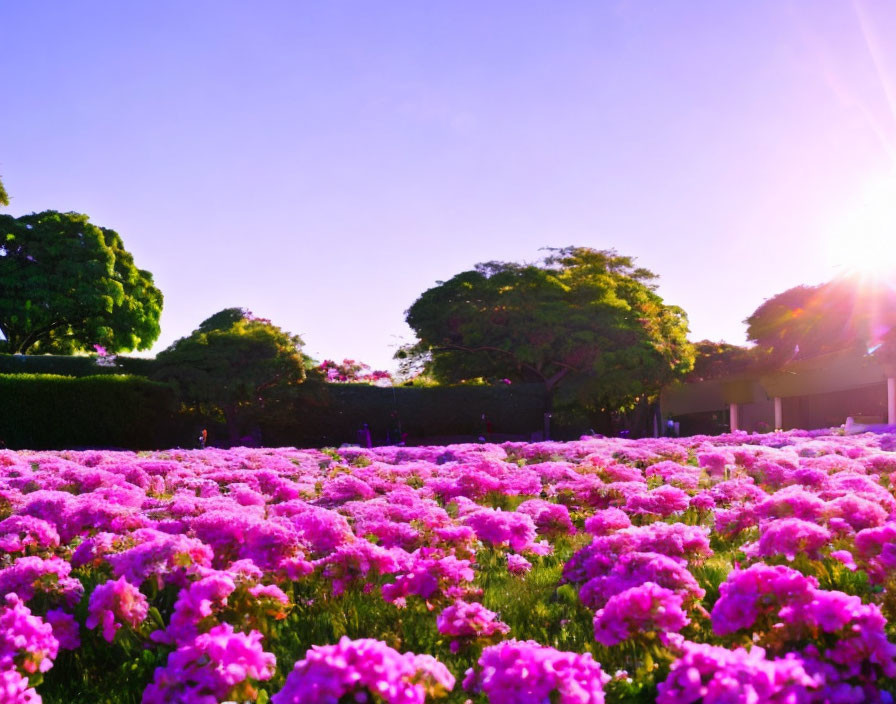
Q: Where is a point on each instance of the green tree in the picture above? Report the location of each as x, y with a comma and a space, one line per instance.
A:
848, 313
66, 285
232, 365
584, 320
717, 360
4, 196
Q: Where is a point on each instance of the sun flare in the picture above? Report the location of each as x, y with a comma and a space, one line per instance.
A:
865, 241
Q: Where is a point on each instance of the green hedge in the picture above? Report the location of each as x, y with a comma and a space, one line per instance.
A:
41, 411
72, 365
333, 414
54, 412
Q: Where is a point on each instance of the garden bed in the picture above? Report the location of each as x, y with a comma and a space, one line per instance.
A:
736, 568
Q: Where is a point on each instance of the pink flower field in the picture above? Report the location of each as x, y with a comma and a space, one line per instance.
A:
739, 568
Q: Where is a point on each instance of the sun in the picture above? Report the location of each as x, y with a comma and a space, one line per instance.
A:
864, 243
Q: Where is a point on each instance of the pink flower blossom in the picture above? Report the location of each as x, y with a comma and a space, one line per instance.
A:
353, 667
115, 603
524, 671
642, 609
466, 622
217, 666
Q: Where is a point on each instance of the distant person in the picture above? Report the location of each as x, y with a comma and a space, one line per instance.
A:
394, 436
486, 429
203, 438
252, 439
364, 439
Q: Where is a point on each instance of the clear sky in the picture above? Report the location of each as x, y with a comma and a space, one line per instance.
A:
323, 163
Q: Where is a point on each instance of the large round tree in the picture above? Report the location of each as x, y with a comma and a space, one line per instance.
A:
67, 284
231, 365
850, 312
582, 319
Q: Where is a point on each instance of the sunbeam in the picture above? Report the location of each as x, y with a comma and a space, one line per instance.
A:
864, 242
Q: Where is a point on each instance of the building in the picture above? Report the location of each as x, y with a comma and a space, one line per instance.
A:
818, 392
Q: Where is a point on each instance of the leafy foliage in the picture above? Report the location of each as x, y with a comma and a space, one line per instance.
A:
4, 196
231, 363
68, 284
589, 319
106, 410
352, 371
849, 312
73, 365
716, 360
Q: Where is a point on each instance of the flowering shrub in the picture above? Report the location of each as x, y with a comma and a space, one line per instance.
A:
643, 609
28, 643
756, 596
714, 675
503, 528
114, 603
216, 666
26, 534
465, 622
737, 568
637, 568
431, 578
790, 537
524, 671
361, 667
517, 564
348, 370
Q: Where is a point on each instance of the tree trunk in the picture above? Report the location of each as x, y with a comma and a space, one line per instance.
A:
550, 385
548, 398
639, 419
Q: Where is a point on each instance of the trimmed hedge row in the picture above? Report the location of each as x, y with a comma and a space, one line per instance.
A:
43, 411
57, 402
333, 415
72, 365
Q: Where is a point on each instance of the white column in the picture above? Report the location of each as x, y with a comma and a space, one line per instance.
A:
779, 414
891, 401
733, 414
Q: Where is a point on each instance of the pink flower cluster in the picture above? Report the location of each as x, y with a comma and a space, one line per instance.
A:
713, 675
215, 666
353, 668
784, 610
465, 622
639, 610
116, 603
198, 557
524, 671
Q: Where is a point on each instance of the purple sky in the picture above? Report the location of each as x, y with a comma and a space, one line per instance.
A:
322, 164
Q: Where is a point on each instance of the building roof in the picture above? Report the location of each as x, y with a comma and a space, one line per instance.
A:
802, 377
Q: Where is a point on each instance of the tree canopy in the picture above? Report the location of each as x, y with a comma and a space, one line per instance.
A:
717, 360
848, 313
67, 284
351, 371
4, 196
586, 319
232, 363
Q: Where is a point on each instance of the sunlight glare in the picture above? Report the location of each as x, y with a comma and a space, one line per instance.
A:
865, 241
